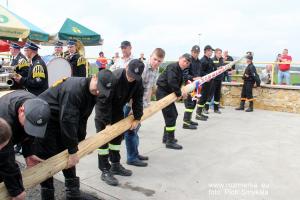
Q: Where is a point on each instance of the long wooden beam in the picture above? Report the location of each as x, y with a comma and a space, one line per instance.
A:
40, 172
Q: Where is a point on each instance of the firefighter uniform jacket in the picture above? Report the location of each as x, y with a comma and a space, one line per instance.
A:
37, 80
218, 63
9, 170
192, 71
77, 63
21, 67
171, 79
109, 110
21, 64
250, 75
207, 65
71, 104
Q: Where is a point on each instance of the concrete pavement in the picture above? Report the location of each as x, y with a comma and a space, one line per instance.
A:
235, 155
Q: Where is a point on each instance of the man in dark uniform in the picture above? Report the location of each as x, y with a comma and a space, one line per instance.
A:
71, 101
58, 50
27, 117
168, 82
37, 80
207, 66
109, 110
216, 86
192, 71
9, 170
250, 78
77, 62
20, 63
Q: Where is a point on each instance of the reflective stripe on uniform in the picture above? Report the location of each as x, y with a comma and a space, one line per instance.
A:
103, 151
216, 102
170, 128
207, 103
114, 147
189, 110
200, 106
186, 123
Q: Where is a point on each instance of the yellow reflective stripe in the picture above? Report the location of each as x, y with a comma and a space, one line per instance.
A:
200, 106
114, 147
186, 123
170, 128
216, 102
207, 103
103, 151
189, 110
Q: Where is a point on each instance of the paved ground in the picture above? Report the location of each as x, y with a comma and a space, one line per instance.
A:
235, 155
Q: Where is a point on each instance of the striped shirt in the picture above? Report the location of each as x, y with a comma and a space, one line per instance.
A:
149, 77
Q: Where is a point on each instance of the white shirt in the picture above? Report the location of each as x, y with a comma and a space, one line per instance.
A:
121, 63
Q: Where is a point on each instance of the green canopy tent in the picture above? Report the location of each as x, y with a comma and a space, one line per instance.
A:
73, 30
13, 27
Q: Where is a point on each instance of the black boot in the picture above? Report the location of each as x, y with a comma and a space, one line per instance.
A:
216, 109
108, 178
187, 125
164, 140
171, 144
206, 108
199, 115
72, 189
118, 169
194, 123
250, 109
47, 194
242, 106
187, 121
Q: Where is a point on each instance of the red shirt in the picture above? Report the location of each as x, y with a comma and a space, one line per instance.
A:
285, 67
101, 62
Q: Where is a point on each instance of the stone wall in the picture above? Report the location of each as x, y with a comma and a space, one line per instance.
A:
267, 97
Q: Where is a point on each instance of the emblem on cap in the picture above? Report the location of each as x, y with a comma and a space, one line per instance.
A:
108, 85
136, 70
39, 122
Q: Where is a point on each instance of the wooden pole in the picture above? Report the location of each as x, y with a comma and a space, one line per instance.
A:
46, 169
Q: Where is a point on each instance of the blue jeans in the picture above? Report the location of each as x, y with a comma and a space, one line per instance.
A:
283, 75
131, 139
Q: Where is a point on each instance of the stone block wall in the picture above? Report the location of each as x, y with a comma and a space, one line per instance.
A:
268, 97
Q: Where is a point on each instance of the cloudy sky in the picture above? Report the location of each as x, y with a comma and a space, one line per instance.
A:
262, 26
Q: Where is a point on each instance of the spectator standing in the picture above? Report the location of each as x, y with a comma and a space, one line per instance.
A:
101, 61
228, 73
127, 56
284, 69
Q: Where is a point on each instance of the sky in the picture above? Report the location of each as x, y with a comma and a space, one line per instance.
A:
265, 27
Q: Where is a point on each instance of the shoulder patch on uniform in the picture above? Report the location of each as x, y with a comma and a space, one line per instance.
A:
38, 72
81, 61
59, 82
23, 63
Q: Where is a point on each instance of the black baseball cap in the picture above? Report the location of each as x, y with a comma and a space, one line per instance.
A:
187, 56
135, 69
249, 57
208, 47
106, 80
37, 114
125, 44
196, 48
